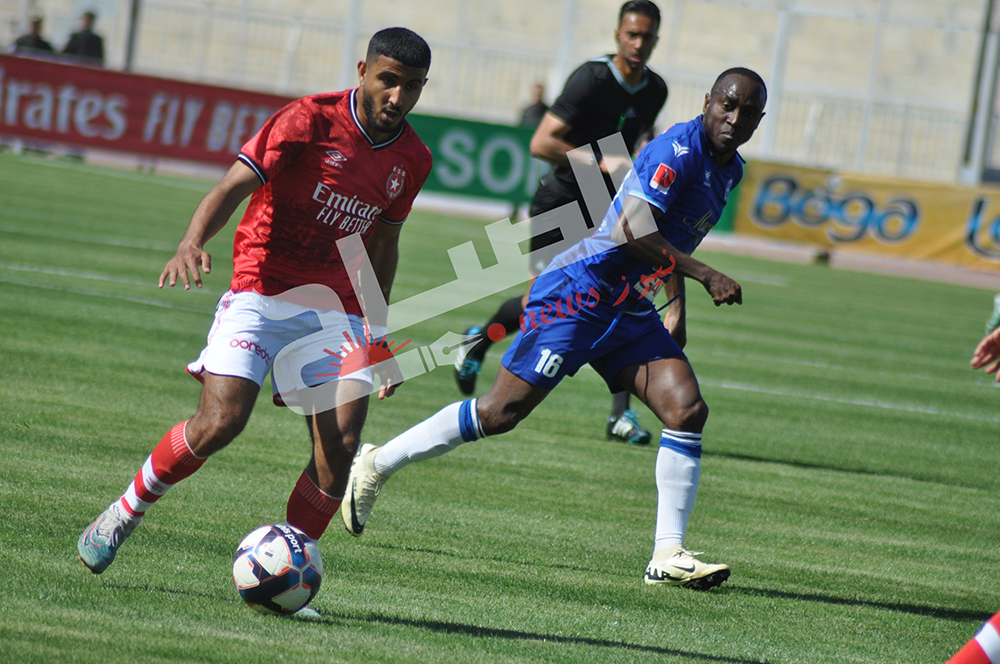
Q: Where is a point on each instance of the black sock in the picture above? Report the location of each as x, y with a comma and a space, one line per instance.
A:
619, 403
508, 315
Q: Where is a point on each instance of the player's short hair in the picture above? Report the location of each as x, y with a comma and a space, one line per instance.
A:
402, 45
739, 71
641, 7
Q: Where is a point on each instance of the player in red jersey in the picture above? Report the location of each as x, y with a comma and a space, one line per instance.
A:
984, 647
323, 168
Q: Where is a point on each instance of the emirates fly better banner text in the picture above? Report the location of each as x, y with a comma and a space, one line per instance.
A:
52, 102
55, 102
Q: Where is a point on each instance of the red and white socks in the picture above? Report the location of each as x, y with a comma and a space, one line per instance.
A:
309, 508
171, 461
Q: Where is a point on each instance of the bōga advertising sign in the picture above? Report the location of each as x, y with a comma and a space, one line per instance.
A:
945, 224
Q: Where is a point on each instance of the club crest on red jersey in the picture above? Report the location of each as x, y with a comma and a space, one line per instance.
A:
396, 183
663, 178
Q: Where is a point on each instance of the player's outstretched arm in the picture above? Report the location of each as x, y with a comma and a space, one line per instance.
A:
653, 248
211, 215
988, 351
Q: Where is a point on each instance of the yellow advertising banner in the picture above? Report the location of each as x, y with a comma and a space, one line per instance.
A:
944, 224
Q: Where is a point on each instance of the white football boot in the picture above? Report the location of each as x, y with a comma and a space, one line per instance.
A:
676, 566
363, 487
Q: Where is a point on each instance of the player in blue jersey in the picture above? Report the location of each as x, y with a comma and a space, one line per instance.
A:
613, 94
594, 305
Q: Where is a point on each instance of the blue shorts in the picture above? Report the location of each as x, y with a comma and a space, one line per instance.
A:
563, 328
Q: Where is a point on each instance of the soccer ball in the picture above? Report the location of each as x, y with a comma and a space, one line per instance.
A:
277, 569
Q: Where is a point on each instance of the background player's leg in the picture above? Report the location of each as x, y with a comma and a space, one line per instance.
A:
335, 434
225, 407
670, 389
508, 315
468, 365
623, 422
509, 401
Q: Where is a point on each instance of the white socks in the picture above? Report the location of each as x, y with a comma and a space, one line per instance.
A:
437, 435
678, 467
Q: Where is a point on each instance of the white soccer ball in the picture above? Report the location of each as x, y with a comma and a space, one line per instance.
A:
277, 569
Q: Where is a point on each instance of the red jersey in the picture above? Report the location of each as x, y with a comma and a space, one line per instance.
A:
324, 178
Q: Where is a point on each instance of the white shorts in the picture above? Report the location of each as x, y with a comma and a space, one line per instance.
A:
252, 332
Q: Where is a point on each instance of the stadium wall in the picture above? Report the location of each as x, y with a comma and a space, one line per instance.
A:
882, 87
488, 165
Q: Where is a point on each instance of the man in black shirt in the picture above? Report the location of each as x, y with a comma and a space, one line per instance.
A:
32, 42
607, 95
532, 115
85, 44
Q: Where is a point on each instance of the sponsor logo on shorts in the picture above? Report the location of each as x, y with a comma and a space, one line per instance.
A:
253, 347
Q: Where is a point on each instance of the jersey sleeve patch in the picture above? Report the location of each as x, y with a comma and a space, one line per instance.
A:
663, 178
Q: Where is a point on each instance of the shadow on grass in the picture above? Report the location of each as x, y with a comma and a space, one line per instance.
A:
496, 559
517, 635
940, 613
332, 618
168, 591
835, 469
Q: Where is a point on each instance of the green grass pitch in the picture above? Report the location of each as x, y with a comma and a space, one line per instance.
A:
850, 476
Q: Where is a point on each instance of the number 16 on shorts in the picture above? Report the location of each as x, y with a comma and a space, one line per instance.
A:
548, 364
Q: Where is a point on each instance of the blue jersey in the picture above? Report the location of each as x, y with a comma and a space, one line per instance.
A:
675, 173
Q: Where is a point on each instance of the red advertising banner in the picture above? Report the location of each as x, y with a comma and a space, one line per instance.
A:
61, 103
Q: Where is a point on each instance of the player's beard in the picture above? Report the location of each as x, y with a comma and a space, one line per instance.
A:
369, 105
